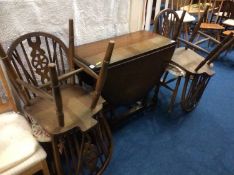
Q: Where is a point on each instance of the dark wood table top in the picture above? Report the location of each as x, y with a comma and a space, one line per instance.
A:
126, 46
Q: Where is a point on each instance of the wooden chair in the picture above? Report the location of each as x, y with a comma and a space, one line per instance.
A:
188, 18
175, 69
168, 23
40, 68
224, 11
198, 37
22, 154
197, 70
229, 19
178, 7
212, 23
170, 29
227, 32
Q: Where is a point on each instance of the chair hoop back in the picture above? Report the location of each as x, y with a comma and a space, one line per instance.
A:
168, 23
197, 27
31, 54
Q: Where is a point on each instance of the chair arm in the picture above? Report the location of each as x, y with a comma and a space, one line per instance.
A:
35, 90
210, 37
193, 45
85, 67
63, 77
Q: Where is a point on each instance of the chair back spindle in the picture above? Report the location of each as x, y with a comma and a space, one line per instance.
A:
71, 44
197, 27
168, 23
30, 55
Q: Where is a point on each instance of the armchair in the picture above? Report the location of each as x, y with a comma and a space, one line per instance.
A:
40, 68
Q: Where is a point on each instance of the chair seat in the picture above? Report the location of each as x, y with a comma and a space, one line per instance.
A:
175, 70
227, 32
76, 108
35, 158
187, 17
188, 60
211, 26
17, 143
229, 22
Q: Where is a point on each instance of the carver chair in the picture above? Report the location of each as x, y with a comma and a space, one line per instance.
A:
197, 70
175, 69
171, 29
19, 151
40, 68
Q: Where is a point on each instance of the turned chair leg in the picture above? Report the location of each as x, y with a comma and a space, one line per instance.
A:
40, 166
44, 167
56, 156
192, 91
174, 94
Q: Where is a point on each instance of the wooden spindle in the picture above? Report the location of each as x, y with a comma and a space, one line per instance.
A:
56, 93
102, 74
71, 43
197, 27
179, 26
71, 48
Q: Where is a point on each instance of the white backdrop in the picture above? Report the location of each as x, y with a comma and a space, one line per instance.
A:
93, 19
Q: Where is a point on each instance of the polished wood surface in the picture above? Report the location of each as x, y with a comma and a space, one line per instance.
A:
76, 108
40, 166
227, 32
188, 60
126, 46
137, 63
213, 26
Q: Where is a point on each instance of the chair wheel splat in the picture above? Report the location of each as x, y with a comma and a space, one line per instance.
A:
62, 113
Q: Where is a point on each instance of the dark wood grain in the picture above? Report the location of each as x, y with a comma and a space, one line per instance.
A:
168, 23
126, 46
137, 63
